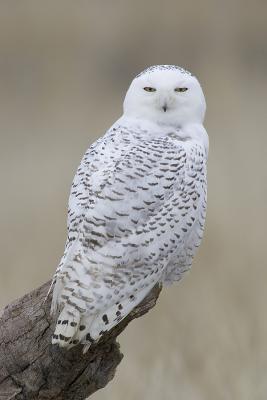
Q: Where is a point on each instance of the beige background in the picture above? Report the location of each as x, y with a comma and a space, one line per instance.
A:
64, 70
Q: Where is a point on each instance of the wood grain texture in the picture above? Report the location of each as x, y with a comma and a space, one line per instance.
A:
31, 368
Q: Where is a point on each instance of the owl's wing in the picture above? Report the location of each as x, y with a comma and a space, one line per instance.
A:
78, 203
135, 209
120, 184
80, 193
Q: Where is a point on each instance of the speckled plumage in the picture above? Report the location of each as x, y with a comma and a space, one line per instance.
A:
154, 68
136, 213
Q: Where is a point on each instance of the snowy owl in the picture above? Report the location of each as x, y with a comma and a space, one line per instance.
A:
137, 206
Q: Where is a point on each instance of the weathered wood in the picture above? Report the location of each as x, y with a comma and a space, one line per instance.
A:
31, 368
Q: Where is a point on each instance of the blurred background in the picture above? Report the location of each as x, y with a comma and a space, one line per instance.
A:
64, 69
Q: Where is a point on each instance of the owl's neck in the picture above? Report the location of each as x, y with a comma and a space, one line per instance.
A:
148, 125
190, 132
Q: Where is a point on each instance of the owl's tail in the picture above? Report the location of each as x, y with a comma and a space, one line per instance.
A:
73, 328
92, 328
67, 324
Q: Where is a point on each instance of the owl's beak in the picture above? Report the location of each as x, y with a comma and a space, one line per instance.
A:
165, 102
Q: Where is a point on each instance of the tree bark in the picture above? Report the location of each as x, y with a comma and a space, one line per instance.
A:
31, 368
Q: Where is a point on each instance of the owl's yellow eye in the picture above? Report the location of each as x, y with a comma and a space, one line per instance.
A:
149, 89
181, 89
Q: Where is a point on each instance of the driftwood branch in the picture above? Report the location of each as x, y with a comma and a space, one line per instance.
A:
31, 368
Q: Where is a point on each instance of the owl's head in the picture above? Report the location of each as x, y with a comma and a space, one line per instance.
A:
165, 94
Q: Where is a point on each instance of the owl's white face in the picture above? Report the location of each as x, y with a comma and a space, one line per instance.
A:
165, 96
